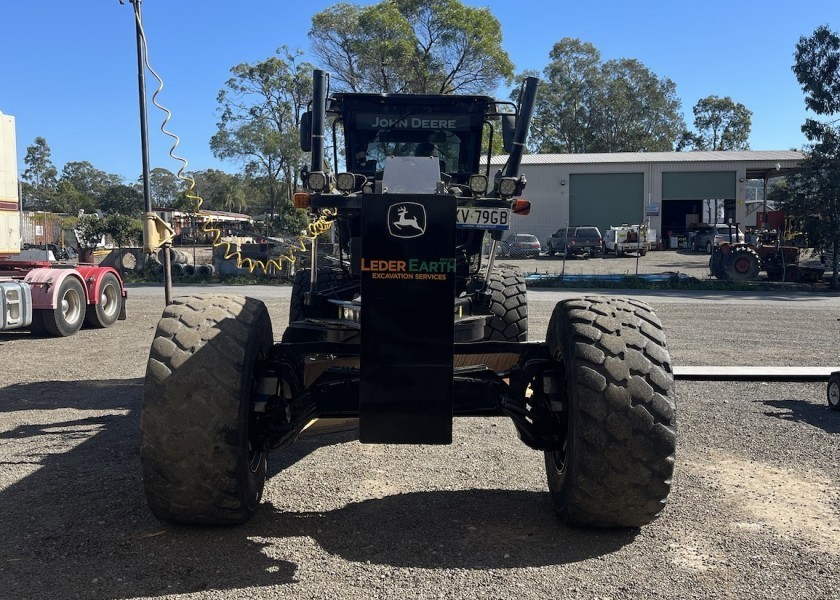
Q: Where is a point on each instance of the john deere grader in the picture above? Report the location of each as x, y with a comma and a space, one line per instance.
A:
409, 327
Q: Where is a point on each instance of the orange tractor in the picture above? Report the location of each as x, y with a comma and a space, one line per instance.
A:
743, 261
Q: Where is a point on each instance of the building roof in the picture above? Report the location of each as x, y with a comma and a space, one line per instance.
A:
759, 163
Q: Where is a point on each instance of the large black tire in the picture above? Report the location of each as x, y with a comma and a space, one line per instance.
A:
833, 391
508, 306
106, 312
198, 461
619, 416
742, 264
716, 264
68, 315
328, 277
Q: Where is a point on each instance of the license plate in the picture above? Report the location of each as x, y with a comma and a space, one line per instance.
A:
483, 218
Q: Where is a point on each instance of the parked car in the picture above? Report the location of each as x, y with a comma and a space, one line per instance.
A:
706, 235
520, 245
579, 240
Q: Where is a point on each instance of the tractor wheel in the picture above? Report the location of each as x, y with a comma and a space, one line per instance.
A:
618, 415
833, 391
792, 274
106, 312
508, 306
198, 461
328, 277
68, 315
742, 264
716, 265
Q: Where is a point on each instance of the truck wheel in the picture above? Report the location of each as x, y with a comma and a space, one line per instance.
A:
618, 415
742, 264
67, 317
107, 311
833, 391
328, 277
509, 307
198, 461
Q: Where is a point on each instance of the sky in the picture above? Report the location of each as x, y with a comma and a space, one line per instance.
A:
68, 71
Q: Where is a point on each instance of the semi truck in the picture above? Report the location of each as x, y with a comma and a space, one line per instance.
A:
47, 297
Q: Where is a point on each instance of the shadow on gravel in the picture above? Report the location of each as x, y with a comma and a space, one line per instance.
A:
75, 523
799, 411
465, 529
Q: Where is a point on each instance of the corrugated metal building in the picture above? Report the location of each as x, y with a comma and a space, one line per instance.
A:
668, 190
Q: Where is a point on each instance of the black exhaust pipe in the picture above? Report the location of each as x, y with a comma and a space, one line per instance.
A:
319, 109
523, 122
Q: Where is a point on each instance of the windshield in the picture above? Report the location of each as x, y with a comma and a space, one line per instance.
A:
378, 135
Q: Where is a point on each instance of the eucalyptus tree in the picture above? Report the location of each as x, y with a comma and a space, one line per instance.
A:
87, 179
587, 105
720, 124
411, 46
260, 108
40, 175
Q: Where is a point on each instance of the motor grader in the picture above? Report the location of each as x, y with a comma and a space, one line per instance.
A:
409, 327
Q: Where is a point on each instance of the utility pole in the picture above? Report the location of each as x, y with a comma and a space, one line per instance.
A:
144, 145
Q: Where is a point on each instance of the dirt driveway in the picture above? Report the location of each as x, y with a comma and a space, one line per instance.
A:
753, 512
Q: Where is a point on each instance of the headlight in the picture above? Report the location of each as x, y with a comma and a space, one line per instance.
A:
507, 186
478, 184
316, 181
345, 182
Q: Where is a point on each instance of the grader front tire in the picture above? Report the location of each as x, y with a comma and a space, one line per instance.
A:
618, 417
198, 461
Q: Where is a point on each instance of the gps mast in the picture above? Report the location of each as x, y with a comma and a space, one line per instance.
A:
50, 299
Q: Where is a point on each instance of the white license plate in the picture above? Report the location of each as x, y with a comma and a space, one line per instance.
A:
483, 218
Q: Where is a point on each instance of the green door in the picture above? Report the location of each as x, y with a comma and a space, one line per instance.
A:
606, 199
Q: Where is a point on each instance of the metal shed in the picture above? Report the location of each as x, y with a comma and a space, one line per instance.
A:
668, 190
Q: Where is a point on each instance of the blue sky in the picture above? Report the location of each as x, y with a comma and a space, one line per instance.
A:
69, 71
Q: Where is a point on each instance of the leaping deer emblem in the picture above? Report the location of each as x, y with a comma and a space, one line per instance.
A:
404, 222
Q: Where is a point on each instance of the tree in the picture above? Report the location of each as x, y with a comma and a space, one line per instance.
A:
124, 230
122, 199
634, 110
585, 105
89, 231
165, 187
411, 46
721, 124
260, 121
40, 174
218, 191
816, 190
88, 180
68, 200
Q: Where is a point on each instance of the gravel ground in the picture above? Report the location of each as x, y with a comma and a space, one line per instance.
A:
753, 513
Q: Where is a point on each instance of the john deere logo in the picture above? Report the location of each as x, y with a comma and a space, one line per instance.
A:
407, 220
